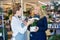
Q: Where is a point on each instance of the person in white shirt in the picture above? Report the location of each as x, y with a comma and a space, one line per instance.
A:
19, 26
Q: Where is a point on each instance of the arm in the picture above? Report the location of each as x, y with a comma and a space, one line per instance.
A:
29, 28
43, 26
16, 26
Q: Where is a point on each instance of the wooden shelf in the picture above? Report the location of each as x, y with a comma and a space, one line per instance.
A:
9, 35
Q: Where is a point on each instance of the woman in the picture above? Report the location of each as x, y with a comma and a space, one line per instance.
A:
39, 33
19, 26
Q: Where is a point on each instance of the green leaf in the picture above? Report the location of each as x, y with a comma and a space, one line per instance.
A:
34, 23
43, 7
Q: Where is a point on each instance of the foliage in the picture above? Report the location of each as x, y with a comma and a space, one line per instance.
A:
34, 23
27, 13
55, 37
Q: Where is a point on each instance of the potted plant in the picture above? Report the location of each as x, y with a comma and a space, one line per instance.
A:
54, 37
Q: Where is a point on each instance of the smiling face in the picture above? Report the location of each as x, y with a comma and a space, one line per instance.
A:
36, 10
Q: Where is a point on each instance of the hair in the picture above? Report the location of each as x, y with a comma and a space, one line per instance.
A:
33, 12
42, 12
16, 7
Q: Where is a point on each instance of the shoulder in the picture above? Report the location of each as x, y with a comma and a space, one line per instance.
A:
44, 17
13, 17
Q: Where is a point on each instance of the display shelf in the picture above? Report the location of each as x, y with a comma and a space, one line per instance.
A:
9, 35
54, 26
2, 34
53, 17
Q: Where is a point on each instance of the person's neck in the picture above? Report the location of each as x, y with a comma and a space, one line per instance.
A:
35, 14
15, 15
41, 16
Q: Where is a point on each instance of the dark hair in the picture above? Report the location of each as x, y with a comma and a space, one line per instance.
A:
16, 7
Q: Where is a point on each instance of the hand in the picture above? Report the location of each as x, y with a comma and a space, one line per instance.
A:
37, 28
30, 21
25, 23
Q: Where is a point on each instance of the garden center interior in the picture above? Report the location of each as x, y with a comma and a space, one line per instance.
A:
47, 7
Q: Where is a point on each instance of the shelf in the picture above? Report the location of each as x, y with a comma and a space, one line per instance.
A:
9, 33
0, 17
0, 34
54, 26
0, 26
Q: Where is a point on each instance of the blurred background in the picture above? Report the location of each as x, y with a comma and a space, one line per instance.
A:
49, 7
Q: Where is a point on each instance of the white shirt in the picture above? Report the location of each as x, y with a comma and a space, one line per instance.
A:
16, 26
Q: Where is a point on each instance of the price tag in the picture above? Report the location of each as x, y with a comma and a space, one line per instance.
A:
0, 34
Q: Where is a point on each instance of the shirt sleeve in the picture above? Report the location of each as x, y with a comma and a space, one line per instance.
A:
42, 24
16, 26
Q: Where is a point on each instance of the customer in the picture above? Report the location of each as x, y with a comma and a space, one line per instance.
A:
19, 26
39, 33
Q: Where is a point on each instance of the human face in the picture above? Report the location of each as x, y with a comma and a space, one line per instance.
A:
19, 12
36, 10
